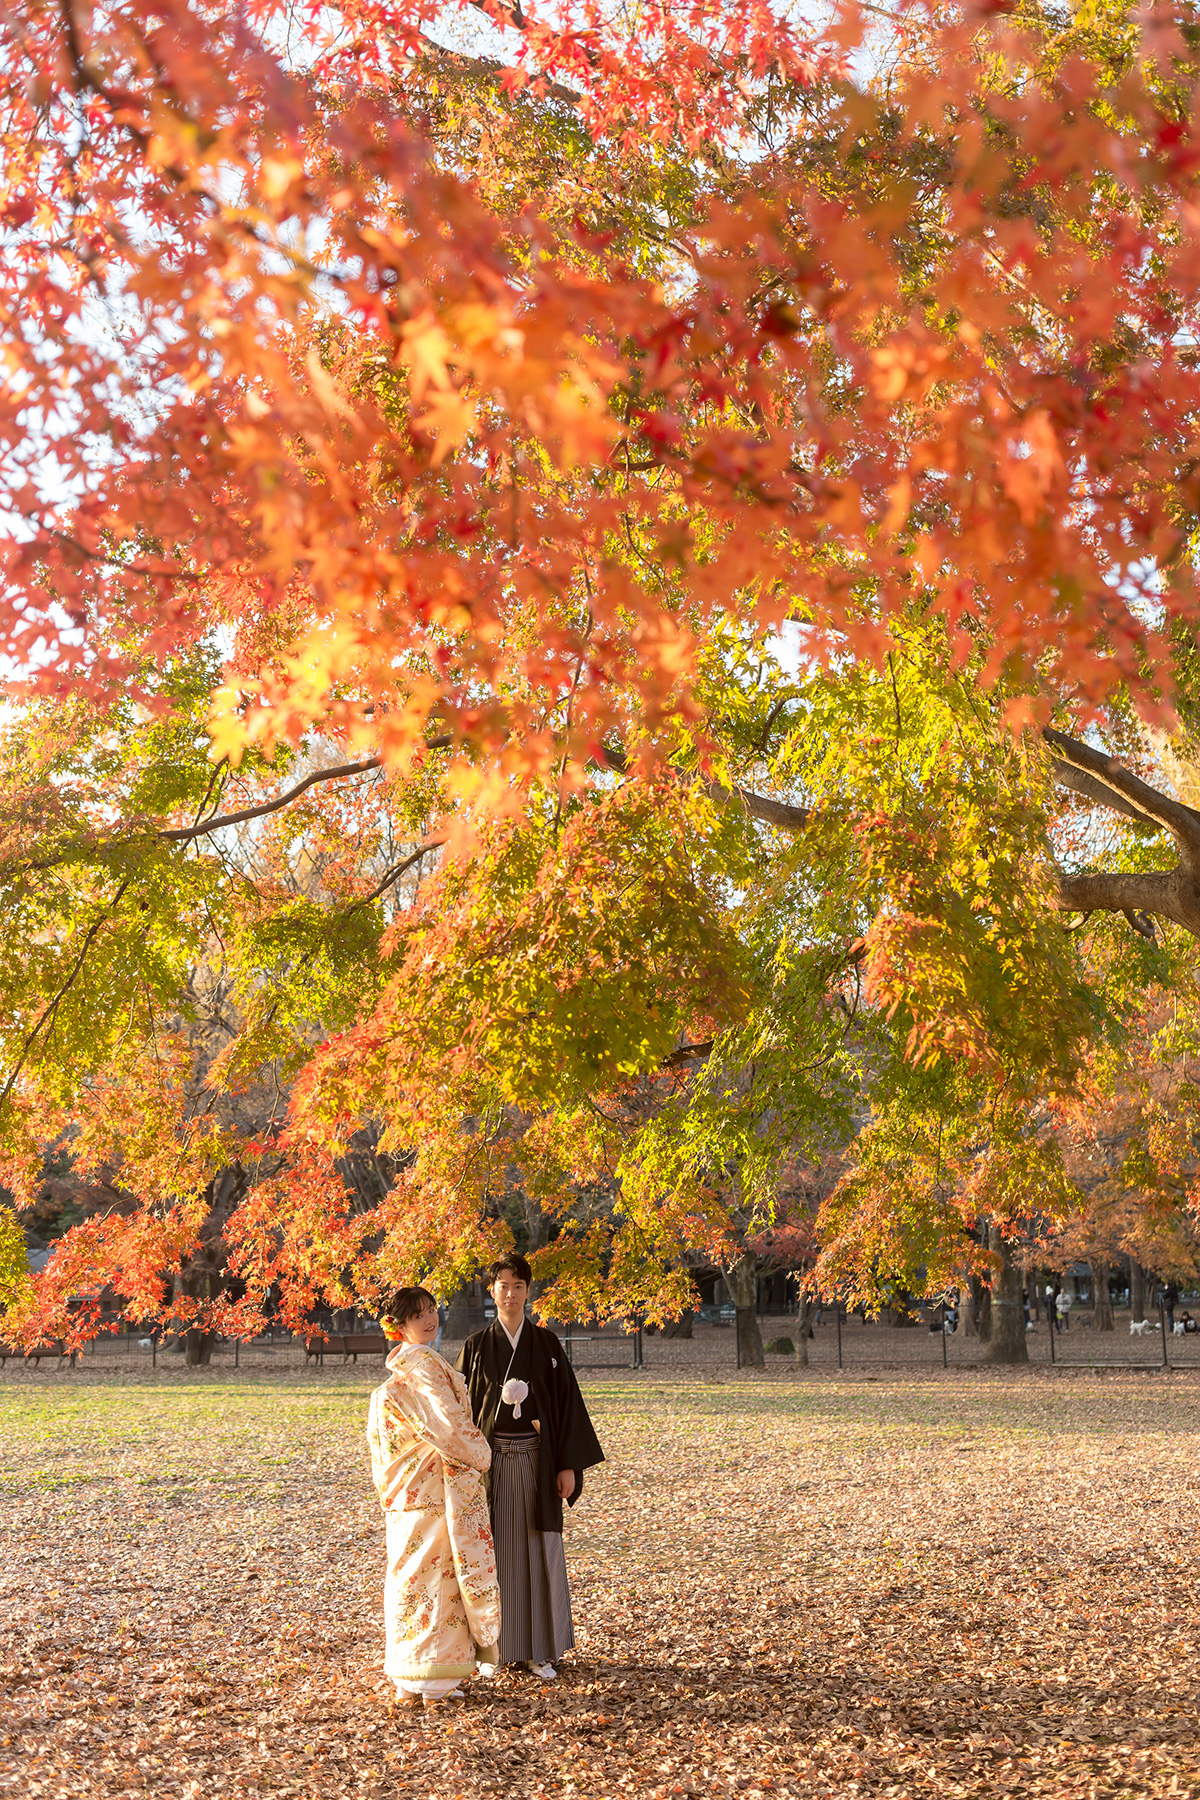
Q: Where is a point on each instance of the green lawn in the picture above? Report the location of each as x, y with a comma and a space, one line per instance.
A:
814, 1585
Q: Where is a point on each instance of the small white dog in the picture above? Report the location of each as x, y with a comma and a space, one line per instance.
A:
1139, 1327
1179, 1329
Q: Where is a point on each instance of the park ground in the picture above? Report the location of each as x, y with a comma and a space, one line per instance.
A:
785, 1584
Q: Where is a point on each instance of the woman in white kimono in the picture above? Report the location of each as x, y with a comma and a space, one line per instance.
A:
441, 1597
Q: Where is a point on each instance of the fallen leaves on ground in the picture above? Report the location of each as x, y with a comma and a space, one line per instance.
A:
967, 1585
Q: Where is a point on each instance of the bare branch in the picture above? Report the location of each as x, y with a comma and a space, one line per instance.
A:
394, 875
183, 834
687, 1053
50, 1011
1118, 784
780, 813
1142, 923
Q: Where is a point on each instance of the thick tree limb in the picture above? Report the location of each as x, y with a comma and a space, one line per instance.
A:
1127, 793
1088, 788
1140, 895
780, 813
1157, 893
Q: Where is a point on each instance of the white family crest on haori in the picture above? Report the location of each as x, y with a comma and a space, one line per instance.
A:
513, 1394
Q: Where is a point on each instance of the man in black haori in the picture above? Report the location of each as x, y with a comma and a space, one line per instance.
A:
526, 1401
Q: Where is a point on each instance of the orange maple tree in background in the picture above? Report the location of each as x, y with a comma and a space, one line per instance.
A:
417, 445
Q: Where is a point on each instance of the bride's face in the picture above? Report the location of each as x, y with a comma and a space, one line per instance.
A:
421, 1329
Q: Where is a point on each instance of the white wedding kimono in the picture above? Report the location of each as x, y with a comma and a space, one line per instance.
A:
428, 1461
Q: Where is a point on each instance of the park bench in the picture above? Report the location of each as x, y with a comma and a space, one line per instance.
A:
350, 1343
598, 1350
35, 1354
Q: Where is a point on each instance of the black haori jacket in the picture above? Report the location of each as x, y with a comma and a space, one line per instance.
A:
567, 1438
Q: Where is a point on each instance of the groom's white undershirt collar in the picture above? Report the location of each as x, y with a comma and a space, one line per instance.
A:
512, 1336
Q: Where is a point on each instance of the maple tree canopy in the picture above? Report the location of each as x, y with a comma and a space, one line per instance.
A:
542, 434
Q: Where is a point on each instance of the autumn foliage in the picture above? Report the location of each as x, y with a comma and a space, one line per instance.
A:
534, 430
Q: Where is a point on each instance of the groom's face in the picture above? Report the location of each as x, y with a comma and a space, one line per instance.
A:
510, 1293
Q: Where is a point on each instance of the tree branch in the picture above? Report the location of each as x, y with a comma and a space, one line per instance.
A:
780, 813
1140, 895
1088, 788
687, 1053
50, 1010
394, 875
183, 834
1118, 785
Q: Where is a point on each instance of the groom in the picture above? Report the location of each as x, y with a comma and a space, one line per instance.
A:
526, 1401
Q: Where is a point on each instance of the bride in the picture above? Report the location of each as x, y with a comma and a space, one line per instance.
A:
441, 1599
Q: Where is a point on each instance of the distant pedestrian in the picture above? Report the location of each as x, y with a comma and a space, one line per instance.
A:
1063, 1306
1052, 1309
1170, 1301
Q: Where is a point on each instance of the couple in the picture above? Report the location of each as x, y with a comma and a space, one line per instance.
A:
472, 1474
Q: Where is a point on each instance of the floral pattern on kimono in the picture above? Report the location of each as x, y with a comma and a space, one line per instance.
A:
428, 1462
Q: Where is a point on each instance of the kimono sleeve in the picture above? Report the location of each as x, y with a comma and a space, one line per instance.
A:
439, 1414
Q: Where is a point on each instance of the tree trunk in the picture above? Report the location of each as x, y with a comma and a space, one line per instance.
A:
680, 1327
458, 1316
1137, 1290
802, 1330
900, 1316
985, 1314
1102, 1310
968, 1305
743, 1283
1006, 1341
198, 1347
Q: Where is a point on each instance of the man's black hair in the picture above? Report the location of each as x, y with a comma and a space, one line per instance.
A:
512, 1264
405, 1304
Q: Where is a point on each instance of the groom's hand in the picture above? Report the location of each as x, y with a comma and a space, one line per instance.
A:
566, 1483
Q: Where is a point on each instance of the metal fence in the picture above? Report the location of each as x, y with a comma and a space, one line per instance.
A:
837, 1341
843, 1341
281, 1350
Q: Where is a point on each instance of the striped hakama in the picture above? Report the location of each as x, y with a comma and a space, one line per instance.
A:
535, 1617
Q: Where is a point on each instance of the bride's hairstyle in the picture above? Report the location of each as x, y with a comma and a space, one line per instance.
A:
405, 1304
